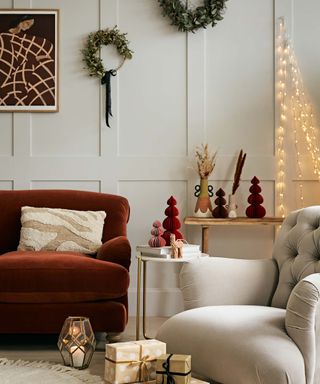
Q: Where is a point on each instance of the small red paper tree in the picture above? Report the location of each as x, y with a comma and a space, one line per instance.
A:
171, 223
255, 209
156, 239
220, 211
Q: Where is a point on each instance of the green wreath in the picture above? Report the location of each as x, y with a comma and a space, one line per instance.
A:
91, 56
188, 20
104, 37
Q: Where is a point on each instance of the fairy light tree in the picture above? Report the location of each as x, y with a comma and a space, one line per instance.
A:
296, 114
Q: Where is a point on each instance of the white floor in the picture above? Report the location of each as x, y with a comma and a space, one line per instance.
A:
29, 347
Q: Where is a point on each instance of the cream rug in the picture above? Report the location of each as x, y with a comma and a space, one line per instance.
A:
42, 372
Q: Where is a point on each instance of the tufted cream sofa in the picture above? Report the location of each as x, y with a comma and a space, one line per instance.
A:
254, 321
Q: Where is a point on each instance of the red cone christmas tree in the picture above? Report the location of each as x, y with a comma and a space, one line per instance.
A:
171, 223
220, 211
157, 240
255, 209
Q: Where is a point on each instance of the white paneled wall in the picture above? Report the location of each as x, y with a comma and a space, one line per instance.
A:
305, 36
239, 81
178, 91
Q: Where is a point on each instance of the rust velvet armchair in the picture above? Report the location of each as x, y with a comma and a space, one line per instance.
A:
39, 289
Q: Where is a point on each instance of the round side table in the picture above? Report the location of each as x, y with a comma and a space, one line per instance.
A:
142, 270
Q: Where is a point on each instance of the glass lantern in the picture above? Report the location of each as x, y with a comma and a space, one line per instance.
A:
76, 342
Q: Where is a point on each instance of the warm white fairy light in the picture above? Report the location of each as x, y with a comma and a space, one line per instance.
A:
303, 115
298, 154
282, 73
304, 131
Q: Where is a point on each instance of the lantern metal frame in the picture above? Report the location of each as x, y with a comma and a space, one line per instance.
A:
77, 342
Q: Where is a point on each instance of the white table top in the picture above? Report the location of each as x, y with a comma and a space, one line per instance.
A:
164, 260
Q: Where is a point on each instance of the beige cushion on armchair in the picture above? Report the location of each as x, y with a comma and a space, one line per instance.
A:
221, 281
235, 343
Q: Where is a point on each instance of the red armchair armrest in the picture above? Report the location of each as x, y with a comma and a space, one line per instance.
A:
116, 250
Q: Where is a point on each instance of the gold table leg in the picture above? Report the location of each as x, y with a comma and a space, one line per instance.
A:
144, 299
138, 298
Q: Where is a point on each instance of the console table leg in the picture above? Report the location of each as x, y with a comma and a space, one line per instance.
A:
205, 239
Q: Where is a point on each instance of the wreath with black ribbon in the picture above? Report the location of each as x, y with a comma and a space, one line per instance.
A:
91, 56
189, 20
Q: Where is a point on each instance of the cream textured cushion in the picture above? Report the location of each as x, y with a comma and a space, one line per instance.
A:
54, 229
206, 281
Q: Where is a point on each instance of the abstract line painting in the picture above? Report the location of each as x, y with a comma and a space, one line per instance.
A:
29, 60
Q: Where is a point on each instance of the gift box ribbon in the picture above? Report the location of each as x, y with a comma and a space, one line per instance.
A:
166, 372
143, 369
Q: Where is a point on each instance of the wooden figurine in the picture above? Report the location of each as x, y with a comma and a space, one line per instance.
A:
176, 247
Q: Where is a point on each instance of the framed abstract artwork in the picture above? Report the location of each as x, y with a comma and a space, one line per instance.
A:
29, 60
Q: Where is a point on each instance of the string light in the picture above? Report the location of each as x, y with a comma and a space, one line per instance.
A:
282, 73
303, 115
298, 154
291, 90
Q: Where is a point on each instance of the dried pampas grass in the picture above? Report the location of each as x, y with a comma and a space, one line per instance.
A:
237, 174
205, 161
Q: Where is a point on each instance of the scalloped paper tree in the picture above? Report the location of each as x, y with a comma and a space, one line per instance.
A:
156, 239
171, 223
255, 209
220, 211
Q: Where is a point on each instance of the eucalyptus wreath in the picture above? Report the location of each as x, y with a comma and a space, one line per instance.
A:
104, 37
189, 20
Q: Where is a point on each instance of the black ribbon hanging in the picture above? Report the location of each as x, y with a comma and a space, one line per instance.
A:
106, 79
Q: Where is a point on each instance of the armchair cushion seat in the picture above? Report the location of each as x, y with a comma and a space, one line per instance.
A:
236, 344
59, 277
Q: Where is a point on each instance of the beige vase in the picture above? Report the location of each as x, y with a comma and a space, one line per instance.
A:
203, 207
232, 206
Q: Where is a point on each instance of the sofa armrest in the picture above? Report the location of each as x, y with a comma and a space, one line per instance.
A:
116, 250
303, 321
224, 281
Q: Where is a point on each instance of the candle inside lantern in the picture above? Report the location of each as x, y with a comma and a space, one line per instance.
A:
77, 355
74, 330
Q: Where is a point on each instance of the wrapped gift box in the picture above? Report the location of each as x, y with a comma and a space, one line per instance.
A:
132, 362
197, 381
176, 366
147, 382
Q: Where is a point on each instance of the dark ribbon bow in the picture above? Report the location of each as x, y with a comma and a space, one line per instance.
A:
168, 374
166, 367
106, 79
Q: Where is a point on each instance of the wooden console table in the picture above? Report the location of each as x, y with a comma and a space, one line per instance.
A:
205, 223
